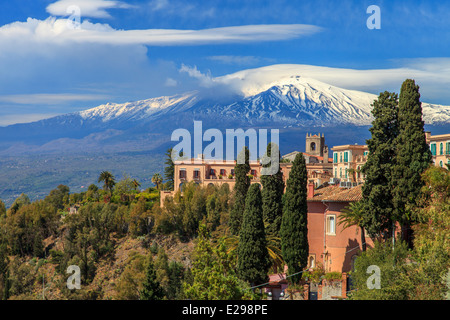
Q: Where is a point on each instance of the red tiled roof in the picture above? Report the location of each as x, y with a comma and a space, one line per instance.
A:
337, 194
318, 157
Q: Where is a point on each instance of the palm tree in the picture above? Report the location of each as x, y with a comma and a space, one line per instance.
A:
136, 184
157, 180
273, 247
108, 179
352, 215
352, 172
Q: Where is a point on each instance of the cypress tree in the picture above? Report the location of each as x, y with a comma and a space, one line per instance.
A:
413, 156
253, 256
152, 289
272, 193
169, 170
294, 224
240, 190
377, 189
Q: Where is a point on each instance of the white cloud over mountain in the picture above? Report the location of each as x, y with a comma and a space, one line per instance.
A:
432, 75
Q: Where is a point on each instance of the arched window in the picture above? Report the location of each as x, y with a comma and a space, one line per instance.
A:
312, 262
313, 146
353, 260
441, 148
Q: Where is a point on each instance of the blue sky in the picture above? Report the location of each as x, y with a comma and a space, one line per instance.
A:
136, 49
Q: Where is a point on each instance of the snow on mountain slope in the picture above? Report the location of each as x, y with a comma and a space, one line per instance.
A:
435, 114
138, 110
300, 100
287, 101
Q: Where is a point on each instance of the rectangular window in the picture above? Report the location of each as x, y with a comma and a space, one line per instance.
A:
335, 158
345, 156
253, 173
447, 148
331, 224
232, 172
433, 149
182, 173
340, 156
212, 172
222, 172
197, 174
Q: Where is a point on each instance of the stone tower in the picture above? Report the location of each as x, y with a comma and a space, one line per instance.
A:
315, 144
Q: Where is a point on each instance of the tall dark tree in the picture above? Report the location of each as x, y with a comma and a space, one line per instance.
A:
169, 170
413, 156
378, 205
253, 256
152, 289
240, 190
272, 192
294, 224
4, 274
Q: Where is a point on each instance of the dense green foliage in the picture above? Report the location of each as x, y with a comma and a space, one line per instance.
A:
378, 203
213, 272
253, 257
30, 230
420, 273
294, 225
183, 214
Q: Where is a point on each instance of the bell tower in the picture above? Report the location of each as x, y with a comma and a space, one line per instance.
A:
315, 144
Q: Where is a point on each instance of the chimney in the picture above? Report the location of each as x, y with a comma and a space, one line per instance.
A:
310, 193
428, 136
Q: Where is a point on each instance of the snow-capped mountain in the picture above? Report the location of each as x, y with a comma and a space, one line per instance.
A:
298, 101
138, 110
292, 101
285, 102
